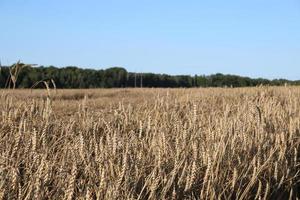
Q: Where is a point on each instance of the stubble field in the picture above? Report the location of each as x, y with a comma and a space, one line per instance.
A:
150, 143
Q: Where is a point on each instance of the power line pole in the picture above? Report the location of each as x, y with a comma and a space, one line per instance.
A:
141, 80
135, 79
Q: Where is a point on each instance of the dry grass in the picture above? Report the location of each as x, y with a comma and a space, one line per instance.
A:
150, 144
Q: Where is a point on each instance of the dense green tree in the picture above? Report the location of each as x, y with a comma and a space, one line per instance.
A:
74, 77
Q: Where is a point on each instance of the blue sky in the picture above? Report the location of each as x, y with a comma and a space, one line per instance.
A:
257, 38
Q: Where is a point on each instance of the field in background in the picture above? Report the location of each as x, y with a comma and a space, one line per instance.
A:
205, 143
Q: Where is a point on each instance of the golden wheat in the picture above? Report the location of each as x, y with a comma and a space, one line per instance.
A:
150, 143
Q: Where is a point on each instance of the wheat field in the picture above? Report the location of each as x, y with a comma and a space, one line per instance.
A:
206, 143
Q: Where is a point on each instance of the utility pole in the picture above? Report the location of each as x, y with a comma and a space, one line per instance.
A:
135, 79
141, 80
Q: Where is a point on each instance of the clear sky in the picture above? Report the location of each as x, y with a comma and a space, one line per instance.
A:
257, 38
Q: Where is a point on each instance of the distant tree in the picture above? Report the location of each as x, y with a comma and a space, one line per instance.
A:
74, 77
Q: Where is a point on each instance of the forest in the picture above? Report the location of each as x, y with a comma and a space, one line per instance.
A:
118, 77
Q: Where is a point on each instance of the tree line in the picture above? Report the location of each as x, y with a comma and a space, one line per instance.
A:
117, 77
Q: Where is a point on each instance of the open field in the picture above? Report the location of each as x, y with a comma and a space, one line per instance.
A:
150, 143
